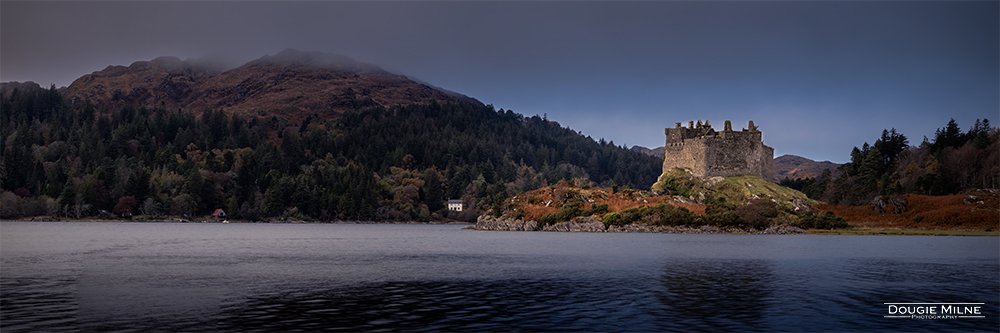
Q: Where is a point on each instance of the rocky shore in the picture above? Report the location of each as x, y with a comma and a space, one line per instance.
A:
590, 224
487, 222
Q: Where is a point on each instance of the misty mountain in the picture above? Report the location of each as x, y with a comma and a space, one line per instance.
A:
286, 84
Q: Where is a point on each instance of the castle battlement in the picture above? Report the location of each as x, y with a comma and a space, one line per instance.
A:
705, 152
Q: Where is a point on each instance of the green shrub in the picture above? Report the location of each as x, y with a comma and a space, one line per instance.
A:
612, 218
571, 209
677, 216
755, 214
498, 205
674, 186
825, 221
600, 209
631, 215
717, 206
662, 214
721, 219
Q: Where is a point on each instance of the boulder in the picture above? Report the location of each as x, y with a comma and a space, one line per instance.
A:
800, 205
585, 224
711, 181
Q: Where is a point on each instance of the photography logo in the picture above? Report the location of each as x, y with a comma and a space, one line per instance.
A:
934, 310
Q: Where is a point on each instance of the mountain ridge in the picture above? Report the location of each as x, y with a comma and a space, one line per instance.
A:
798, 167
287, 84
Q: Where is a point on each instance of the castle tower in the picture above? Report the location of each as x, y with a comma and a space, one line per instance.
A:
707, 153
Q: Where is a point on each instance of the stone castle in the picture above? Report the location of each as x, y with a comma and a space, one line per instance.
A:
699, 149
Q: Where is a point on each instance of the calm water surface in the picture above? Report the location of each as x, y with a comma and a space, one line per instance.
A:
310, 277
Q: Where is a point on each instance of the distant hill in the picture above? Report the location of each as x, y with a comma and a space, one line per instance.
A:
7, 87
655, 152
790, 166
796, 167
287, 84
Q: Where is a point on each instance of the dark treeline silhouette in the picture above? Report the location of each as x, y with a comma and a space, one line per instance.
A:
952, 162
396, 163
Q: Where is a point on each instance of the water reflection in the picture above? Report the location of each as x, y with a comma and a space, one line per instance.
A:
715, 294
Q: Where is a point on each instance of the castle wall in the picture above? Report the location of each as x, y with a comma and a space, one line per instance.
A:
706, 153
687, 157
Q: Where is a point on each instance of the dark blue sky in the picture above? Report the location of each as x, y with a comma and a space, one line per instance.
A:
818, 77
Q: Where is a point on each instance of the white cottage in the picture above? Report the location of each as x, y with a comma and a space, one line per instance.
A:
455, 205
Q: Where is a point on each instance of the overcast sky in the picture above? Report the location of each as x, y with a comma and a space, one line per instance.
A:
818, 78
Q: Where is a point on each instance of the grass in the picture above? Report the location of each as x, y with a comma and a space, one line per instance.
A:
884, 232
761, 189
733, 189
927, 213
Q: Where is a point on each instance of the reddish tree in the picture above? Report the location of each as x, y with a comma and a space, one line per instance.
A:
125, 206
22, 192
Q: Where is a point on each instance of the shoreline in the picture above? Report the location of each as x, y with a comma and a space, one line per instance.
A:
645, 229
486, 222
182, 220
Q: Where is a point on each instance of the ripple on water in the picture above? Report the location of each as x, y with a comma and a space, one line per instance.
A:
517, 305
37, 303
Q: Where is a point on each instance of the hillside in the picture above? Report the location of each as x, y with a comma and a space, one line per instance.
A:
289, 84
400, 162
655, 152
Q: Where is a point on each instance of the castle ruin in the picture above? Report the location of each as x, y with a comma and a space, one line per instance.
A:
699, 149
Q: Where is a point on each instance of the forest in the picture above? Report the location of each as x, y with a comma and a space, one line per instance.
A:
952, 162
376, 163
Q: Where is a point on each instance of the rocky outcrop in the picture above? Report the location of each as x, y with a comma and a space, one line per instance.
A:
488, 222
783, 230
585, 224
590, 224
880, 203
800, 205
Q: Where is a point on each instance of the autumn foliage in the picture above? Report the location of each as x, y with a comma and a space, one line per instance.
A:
125, 206
547, 200
977, 210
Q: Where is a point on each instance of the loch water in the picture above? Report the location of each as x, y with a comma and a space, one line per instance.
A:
59, 276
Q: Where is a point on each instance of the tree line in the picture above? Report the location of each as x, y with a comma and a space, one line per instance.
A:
951, 162
375, 163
